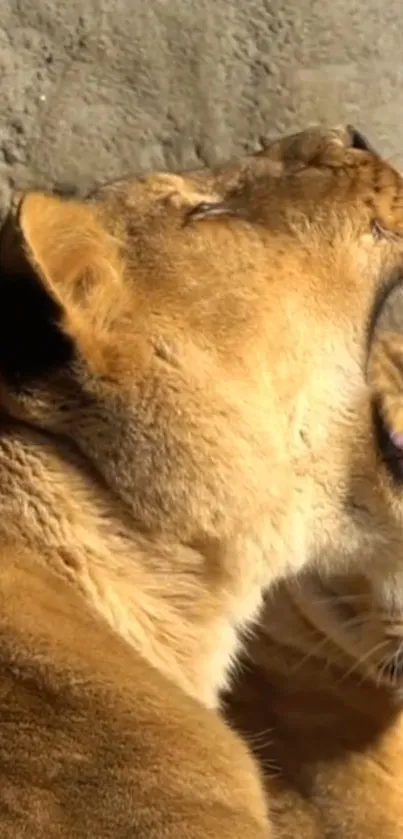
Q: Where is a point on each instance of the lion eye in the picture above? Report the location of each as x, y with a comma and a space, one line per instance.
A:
396, 439
394, 455
208, 209
390, 445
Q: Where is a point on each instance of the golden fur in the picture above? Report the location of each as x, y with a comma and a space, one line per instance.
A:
319, 693
187, 415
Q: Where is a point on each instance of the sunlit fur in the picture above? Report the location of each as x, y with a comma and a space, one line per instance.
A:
187, 416
319, 693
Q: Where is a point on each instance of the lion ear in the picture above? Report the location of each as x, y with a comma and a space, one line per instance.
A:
65, 243
49, 257
386, 381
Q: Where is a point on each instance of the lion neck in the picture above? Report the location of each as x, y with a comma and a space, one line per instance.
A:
165, 599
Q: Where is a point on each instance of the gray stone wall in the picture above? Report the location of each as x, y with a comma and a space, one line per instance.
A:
91, 89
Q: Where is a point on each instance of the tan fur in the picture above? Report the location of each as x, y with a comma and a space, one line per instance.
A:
319, 694
186, 416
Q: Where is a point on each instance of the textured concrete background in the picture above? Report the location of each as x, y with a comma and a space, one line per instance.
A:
94, 88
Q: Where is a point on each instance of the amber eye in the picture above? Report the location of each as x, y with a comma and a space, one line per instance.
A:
389, 444
394, 456
396, 438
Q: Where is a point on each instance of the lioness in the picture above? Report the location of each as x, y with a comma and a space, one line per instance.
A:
186, 416
319, 695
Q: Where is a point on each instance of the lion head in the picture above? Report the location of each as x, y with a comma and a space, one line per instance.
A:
205, 343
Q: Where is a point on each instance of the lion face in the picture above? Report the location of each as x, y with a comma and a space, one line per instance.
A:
206, 341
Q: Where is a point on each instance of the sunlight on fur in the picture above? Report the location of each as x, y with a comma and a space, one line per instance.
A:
195, 406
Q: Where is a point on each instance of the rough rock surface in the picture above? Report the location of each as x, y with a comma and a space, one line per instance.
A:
92, 89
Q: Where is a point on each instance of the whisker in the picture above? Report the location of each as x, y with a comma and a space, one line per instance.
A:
311, 654
390, 669
255, 738
398, 657
354, 622
340, 598
270, 768
356, 664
